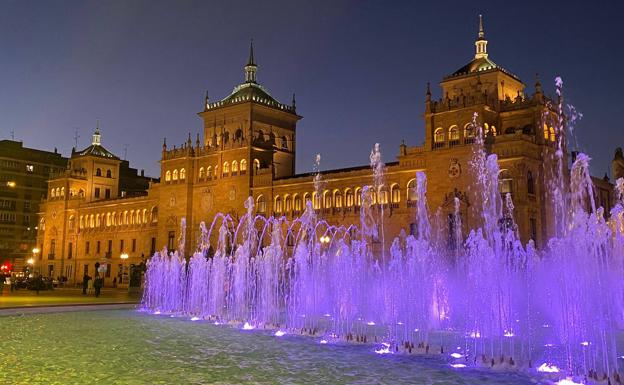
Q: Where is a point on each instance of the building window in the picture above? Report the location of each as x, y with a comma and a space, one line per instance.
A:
297, 201
234, 167
533, 229
153, 246
316, 201
261, 204
256, 165
52, 249
552, 134
107, 194
87, 244
97, 247
70, 250
454, 135
438, 137
349, 198
412, 194
287, 204
243, 166
175, 174
278, 205
327, 198
110, 245
530, 183
134, 245
182, 174
337, 199
171, 240
98, 172
30, 168
505, 183
121, 246
395, 193
209, 172
201, 173
109, 174
226, 168
358, 196
168, 176
108, 270
97, 192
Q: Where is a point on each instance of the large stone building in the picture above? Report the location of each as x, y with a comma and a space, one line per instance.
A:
248, 149
24, 173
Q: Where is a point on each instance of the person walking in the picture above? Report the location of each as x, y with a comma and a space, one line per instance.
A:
97, 284
85, 283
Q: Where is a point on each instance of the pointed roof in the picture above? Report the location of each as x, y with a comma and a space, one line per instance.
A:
250, 90
481, 61
96, 148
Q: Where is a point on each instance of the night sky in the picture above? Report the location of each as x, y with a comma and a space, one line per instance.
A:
359, 69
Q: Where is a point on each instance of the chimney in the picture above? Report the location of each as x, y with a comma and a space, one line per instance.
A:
142, 172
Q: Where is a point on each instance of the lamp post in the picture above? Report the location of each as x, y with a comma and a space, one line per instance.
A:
35, 251
31, 263
124, 257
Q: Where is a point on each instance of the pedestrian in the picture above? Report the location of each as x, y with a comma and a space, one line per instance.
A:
98, 285
85, 283
89, 285
115, 282
2, 279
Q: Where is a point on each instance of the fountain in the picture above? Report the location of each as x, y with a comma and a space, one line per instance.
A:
488, 301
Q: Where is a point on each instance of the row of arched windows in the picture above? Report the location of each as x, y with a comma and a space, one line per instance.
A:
121, 218
337, 198
549, 133
98, 172
59, 192
440, 135
175, 175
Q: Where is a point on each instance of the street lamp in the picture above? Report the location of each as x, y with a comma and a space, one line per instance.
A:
31, 262
11, 184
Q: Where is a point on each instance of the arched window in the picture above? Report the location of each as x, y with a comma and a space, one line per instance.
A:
256, 165
52, 193
131, 218
201, 173
98, 172
58, 192
125, 217
278, 205
234, 167
337, 199
454, 135
91, 221
284, 143
243, 166
209, 172
108, 220
373, 194
297, 201
182, 174
530, 183
327, 199
287, 204
505, 182
154, 214
469, 133
358, 196
546, 132
438, 135
383, 195
316, 201
395, 193
109, 174
348, 198
412, 195
98, 222
62, 191
261, 204
226, 168
175, 174
72, 222
81, 224
552, 134
168, 176
306, 198
144, 216
493, 130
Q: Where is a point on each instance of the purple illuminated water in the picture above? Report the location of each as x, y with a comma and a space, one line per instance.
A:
488, 300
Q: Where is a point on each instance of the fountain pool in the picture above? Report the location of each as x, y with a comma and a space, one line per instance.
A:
129, 347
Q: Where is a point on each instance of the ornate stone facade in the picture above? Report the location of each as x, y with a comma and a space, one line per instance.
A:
248, 149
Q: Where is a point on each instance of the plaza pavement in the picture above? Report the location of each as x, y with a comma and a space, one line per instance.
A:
64, 297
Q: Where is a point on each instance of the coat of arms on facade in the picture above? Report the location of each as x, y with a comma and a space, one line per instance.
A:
454, 170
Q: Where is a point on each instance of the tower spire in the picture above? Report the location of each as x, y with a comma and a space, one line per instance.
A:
251, 67
96, 135
481, 43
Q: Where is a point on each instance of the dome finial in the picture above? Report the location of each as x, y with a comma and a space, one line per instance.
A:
251, 67
481, 43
